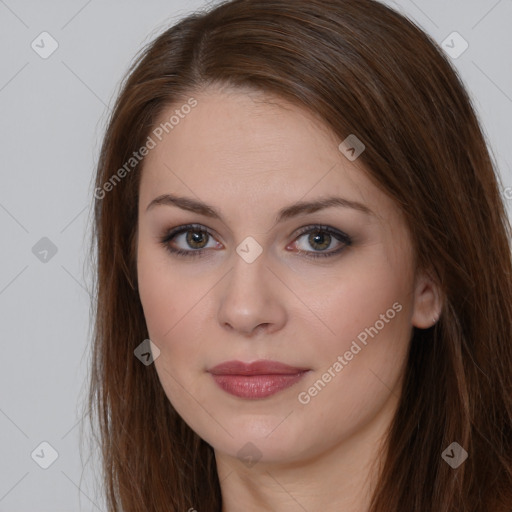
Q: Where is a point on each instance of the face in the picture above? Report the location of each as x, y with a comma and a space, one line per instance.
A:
331, 292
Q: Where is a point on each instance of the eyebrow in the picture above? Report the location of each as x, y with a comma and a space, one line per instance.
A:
293, 210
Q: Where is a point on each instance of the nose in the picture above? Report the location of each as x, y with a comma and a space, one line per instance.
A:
252, 299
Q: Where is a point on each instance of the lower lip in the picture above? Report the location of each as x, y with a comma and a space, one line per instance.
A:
256, 386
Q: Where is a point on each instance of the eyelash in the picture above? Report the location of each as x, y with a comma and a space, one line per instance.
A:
338, 235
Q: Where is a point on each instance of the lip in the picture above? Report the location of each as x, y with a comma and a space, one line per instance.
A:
258, 379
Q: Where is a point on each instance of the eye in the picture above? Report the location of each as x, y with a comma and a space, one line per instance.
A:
193, 235
320, 238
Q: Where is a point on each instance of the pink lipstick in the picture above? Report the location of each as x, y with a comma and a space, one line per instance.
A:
259, 379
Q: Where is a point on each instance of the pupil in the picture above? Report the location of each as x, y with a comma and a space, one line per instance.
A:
321, 237
195, 237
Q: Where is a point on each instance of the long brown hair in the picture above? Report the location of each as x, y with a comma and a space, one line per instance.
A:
361, 68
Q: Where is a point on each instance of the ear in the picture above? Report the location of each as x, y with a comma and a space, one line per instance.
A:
428, 301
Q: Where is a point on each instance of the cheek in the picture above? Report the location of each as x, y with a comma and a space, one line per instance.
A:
156, 303
368, 294
157, 292
171, 320
172, 302
366, 312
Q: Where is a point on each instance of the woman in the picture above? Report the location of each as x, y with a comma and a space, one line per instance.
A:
304, 298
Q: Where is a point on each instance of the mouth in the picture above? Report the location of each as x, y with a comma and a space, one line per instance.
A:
256, 380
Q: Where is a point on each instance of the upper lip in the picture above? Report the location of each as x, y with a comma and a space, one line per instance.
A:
262, 367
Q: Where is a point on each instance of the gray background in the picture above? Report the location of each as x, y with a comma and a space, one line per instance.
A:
53, 114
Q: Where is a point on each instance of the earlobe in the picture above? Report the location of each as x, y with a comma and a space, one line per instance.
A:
427, 302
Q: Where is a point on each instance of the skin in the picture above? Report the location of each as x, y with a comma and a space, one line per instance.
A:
249, 155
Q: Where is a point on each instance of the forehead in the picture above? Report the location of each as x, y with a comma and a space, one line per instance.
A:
244, 148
